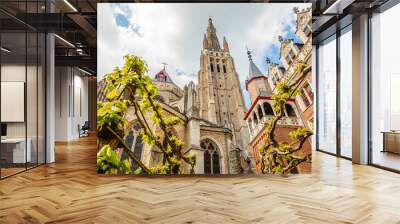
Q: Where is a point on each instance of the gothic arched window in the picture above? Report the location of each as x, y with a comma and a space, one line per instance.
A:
268, 109
260, 113
212, 67
207, 162
134, 141
211, 157
224, 67
290, 111
159, 98
250, 122
215, 163
129, 142
255, 118
218, 70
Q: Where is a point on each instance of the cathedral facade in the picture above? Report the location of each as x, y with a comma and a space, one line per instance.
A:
217, 127
212, 113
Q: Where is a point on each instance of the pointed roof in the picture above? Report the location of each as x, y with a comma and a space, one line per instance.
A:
210, 24
212, 39
225, 45
254, 71
162, 76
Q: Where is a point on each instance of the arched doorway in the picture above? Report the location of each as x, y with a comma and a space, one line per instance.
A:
211, 157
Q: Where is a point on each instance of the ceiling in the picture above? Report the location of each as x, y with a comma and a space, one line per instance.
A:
75, 22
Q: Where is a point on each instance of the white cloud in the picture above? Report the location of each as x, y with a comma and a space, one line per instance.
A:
173, 33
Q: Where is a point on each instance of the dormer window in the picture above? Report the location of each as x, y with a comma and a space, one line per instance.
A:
305, 99
307, 29
290, 56
279, 74
291, 53
309, 91
288, 59
274, 80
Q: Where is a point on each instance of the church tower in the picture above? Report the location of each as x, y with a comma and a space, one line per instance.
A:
221, 99
256, 83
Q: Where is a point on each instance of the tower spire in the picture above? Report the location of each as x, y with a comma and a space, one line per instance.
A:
205, 42
212, 39
254, 71
210, 23
225, 44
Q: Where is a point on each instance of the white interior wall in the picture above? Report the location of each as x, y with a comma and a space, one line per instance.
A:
61, 103
33, 126
14, 73
70, 83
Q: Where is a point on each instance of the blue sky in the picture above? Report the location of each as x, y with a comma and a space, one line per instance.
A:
273, 52
173, 33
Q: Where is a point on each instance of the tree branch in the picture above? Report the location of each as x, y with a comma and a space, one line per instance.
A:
298, 148
275, 157
128, 151
299, 160
148, 130
163, 126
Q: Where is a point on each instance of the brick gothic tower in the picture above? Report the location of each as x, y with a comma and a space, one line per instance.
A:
220, 96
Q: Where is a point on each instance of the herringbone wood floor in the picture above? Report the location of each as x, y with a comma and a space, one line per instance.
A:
70, 191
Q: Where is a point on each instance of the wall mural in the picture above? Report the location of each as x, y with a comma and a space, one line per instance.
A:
204, 89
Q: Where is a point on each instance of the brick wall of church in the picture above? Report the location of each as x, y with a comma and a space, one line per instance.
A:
282, 136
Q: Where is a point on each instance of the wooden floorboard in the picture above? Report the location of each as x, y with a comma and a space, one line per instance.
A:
70, 191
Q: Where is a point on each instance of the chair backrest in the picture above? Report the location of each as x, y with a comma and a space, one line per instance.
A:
86, 125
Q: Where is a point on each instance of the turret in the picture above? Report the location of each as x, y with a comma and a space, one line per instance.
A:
256, 83
205, 42
226, 46
162, 76
168, 90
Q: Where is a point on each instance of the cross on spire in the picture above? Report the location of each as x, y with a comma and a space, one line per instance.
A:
249, 54
254, 71
165, 64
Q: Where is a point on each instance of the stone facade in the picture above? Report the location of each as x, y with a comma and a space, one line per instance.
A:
305, 100
220, 96
217, 127
212, 113
299, 110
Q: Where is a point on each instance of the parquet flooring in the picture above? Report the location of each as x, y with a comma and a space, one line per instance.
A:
70, 191
11, 170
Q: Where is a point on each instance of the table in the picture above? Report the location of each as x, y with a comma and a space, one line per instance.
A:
13, 150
